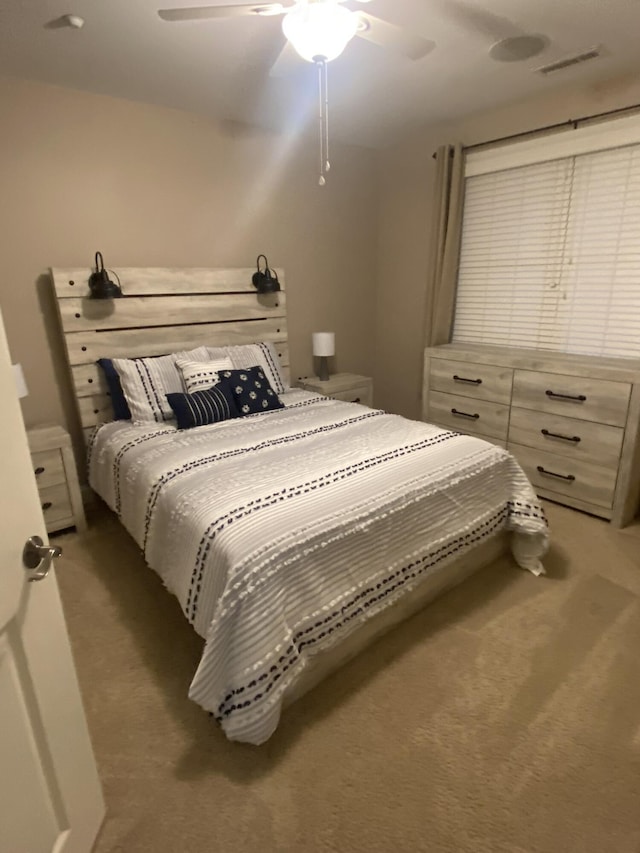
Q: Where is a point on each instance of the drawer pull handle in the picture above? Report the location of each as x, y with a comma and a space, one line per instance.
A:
575, 438
579, 398
39, 470
47, 505
457, 378
553, 474
464, 414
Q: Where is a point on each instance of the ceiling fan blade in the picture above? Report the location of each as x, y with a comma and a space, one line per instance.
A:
287, 62
393, 37
203, 13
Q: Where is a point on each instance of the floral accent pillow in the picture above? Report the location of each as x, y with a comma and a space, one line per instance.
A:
252, 390
264, 354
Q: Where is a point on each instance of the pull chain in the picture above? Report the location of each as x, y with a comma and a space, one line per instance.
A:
323, 115
327, 164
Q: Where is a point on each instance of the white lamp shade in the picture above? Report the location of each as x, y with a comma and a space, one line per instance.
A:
324, 343
320, 29
18, 378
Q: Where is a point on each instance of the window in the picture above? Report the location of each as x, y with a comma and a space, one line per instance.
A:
550, 250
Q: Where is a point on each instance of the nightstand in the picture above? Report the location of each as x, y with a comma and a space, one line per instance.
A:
57, 478
342, 386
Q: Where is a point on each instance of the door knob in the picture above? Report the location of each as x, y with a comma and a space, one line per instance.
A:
37, 555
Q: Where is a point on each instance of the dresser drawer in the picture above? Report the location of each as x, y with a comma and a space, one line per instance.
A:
56, 506
355, 395
590, 399
557, 474
48, 467
480, 381
478, 417
571, 437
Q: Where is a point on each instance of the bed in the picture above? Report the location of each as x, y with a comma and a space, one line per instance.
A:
293, 537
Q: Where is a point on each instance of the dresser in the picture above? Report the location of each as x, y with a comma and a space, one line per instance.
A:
57, 478
350, 387
571, 421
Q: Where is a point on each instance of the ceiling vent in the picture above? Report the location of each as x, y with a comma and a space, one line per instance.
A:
569, 61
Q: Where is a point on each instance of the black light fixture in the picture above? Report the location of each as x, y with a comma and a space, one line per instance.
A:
265, 281
100, 285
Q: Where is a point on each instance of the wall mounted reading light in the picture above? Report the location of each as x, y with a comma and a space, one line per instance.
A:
265, 281
100, 285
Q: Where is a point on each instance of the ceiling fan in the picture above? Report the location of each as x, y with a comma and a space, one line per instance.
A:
319, 31
313, 26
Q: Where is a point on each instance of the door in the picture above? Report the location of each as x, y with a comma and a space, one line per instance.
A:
50, 797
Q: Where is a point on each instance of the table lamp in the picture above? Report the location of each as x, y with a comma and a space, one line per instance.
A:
324, 345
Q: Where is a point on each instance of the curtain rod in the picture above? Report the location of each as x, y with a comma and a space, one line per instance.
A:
572, 122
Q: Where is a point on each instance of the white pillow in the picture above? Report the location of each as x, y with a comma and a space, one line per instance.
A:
199, 375
147, 381
214, 353
263, 354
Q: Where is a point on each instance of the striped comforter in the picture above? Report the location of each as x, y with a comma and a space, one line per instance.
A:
281, 532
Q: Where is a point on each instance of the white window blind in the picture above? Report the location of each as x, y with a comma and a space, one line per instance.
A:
550, 255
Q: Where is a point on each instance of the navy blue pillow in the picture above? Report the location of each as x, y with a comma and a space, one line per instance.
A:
210, 406
252, 390
120, 406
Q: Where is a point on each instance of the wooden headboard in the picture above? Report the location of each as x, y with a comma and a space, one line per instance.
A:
161, 311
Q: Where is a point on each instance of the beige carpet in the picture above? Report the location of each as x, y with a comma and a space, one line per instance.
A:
505, 718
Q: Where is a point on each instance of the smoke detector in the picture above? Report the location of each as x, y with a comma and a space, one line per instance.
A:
74, 21
568, 61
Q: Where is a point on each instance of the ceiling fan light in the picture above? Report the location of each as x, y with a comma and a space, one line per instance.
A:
320, 29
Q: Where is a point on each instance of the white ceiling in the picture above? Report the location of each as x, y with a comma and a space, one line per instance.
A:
220, 67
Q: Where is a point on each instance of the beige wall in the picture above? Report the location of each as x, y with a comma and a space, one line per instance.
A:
157, 187
152, 186
406, 184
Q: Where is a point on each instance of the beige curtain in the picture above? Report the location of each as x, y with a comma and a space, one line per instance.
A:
445, 244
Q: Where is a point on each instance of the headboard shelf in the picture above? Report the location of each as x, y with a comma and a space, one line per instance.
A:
81, 314
160, 281
162, 311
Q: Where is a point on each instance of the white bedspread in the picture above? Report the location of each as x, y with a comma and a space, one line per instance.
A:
281, 532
